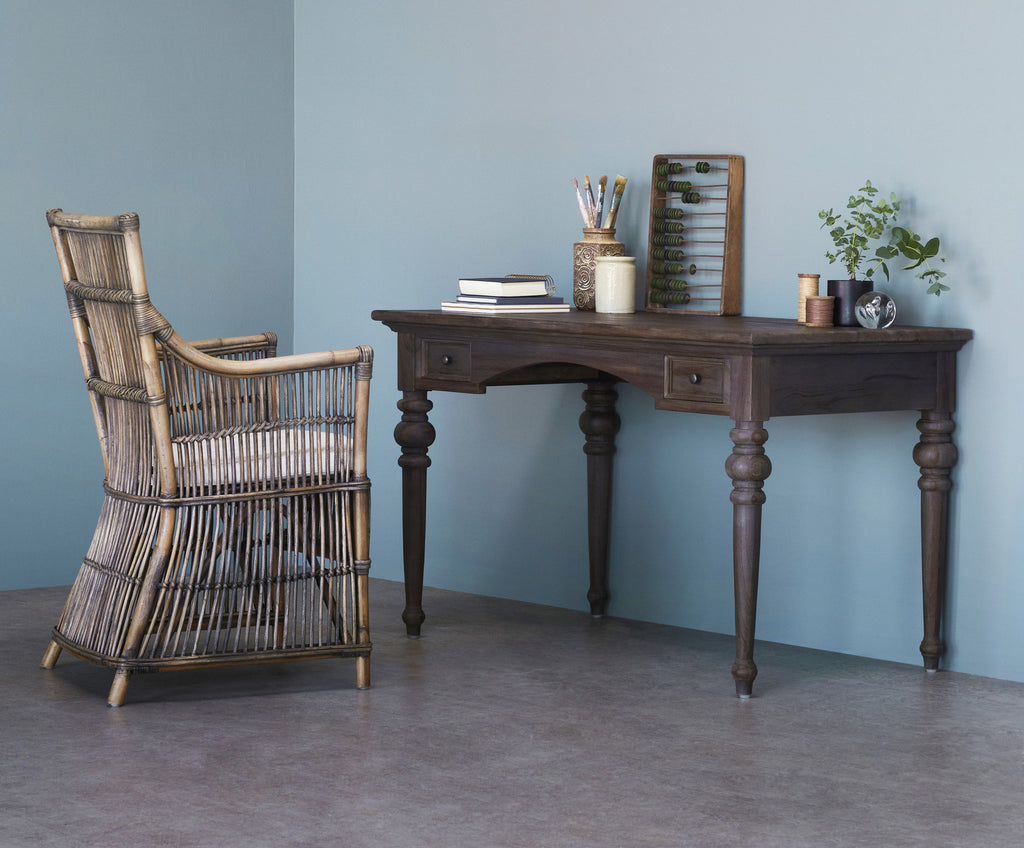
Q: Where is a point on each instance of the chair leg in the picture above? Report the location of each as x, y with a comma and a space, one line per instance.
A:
50, 657
118, 689
362, 672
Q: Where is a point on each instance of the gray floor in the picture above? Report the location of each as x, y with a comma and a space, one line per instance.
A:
506, 725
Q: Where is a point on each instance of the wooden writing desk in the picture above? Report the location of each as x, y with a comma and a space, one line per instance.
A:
748, 369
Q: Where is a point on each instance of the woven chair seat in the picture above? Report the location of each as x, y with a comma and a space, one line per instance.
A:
260, 459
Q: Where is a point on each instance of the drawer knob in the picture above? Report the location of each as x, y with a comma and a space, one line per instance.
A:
447, 359
695, 379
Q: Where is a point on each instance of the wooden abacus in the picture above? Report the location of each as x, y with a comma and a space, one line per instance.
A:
696, 231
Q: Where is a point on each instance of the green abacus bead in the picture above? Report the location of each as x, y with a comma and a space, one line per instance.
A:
665, 253
702, 167
667, 168
669, 297
669, 240
691, 197
673, 185
668, 226
667, 284
666, 212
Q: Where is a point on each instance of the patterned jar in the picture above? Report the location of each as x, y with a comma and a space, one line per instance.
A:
597, 241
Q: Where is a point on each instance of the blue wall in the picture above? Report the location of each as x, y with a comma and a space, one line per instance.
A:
437, 140
180, 111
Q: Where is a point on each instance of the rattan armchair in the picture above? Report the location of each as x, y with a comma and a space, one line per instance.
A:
235, 522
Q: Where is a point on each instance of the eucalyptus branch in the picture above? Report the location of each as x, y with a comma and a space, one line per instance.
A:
867, 220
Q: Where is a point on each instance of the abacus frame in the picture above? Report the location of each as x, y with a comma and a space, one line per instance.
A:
719, 292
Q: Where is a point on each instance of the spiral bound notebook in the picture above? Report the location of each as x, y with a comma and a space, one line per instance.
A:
511, 285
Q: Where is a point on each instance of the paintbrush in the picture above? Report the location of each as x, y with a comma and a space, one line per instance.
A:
591, 205
601, 183
613, 209
583, 206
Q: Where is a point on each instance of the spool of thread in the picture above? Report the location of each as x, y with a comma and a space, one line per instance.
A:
819, 311
808, 285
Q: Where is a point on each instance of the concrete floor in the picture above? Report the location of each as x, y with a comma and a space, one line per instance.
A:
508, 724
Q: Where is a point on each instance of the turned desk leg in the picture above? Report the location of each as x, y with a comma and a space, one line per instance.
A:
414, 434
599, 423
748, 467
936, 455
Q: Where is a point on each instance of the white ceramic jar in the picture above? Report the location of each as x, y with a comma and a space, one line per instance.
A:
615, 284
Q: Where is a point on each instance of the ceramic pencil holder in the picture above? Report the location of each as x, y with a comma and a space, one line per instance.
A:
597, 241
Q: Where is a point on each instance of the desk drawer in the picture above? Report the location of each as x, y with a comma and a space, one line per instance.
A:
697, 379
446, 360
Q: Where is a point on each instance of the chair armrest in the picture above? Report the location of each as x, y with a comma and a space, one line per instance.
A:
198, 358
258, 346
225, 409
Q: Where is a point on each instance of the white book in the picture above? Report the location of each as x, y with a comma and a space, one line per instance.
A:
502, 309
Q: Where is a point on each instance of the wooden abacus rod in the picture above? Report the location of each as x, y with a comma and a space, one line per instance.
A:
689, 229
676, 240
669, 255
679, 228
700, 166
685, 185
702, 241
676, 212
682, 256
677, 297
675, 269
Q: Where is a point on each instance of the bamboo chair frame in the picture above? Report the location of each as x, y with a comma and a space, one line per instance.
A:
235, 521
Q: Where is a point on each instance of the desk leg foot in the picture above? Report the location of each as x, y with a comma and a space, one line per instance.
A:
414, 434
748, 467
744, 672
599, 423
936, 455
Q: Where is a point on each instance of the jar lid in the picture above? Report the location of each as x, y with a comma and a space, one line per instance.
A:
615, 259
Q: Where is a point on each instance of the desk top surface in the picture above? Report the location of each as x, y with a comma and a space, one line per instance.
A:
659, 326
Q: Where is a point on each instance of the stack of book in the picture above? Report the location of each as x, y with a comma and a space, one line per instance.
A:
493, 295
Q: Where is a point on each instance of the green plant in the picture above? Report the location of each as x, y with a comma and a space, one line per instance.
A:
866, 221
